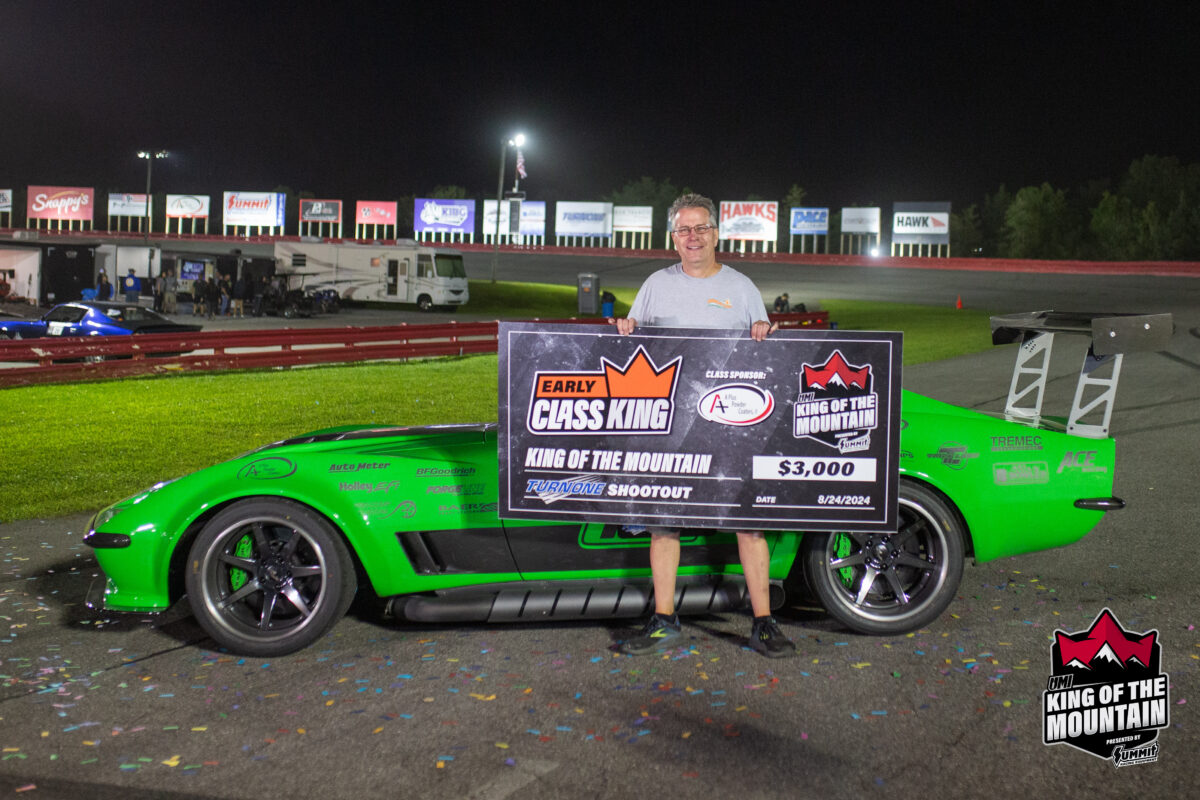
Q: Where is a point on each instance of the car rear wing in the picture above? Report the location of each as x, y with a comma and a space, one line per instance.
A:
1110, 337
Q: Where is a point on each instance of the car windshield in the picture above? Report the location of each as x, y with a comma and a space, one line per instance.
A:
450, 266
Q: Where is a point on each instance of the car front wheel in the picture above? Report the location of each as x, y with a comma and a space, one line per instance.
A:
890, 583
268, 577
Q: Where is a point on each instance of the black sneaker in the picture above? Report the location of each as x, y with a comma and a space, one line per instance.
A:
657, 635
766, 638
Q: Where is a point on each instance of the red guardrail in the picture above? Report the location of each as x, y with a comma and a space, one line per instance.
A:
78, 358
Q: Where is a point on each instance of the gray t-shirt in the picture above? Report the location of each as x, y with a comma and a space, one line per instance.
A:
670, 298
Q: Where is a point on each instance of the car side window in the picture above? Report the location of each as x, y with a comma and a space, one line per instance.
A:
65, 314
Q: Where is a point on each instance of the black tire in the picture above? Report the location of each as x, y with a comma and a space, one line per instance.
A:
290, 311
910, 577
425, 302
267, 577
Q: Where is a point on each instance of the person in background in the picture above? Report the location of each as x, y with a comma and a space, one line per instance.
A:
104, 289
226, 294
131, 285
170, 289
199, 295
260, 297
782, 306
212, 297
239, 297
701, 292
160, 286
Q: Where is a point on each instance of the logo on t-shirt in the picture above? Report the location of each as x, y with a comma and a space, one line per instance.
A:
715, 303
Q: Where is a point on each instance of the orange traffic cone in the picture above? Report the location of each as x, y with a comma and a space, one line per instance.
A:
958, 302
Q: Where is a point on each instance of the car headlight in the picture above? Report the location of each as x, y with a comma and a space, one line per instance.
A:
105, 516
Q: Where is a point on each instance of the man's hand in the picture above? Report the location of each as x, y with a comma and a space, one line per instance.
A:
625, 326
762, 329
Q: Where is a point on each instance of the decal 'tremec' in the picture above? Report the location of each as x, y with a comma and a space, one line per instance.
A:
638, 398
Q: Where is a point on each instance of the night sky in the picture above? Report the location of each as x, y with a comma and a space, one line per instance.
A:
920, 102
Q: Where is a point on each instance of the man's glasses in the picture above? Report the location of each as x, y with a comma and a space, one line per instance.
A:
688, 230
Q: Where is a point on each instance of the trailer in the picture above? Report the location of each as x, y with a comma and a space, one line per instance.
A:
404, 272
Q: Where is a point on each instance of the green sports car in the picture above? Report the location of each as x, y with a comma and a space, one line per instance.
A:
270, 548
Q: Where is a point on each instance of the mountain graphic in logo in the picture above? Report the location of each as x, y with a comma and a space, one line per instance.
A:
836, 372
1105, 645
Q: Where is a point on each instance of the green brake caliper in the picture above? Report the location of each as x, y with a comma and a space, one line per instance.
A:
244, 549
841, 548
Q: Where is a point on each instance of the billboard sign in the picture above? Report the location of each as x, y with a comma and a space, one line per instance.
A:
860, 220
633, 219
707, 428
583, 219
533, 218
443, 216
73, 203
920, 223
809, 221
254, 209
321, 211
127, 205
188, 206
375, 212
6, 200
751, 221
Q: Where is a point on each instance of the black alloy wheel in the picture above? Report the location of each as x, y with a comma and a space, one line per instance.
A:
884, 583
268, 577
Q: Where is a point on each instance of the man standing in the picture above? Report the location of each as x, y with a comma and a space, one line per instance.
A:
239, 297
132, 286
160, 287
700, 292
170, 289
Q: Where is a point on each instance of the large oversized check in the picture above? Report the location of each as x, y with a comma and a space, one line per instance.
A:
700, 428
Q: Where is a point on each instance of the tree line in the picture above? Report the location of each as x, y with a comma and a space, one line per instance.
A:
1151, 213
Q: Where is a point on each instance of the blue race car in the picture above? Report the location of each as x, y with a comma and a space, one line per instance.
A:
93, 318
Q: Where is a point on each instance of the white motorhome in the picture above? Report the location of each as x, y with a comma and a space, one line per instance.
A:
404, 272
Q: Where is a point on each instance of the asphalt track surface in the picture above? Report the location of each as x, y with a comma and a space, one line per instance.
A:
133, 708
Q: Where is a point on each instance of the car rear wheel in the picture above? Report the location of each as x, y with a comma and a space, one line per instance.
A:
885, 583
425, 302
268, 577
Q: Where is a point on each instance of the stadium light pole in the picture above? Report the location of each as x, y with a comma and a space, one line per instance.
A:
516, 141
149, 155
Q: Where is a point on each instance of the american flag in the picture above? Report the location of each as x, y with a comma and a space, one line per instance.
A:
521, 165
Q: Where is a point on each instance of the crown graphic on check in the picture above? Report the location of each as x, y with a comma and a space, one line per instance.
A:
640, 377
